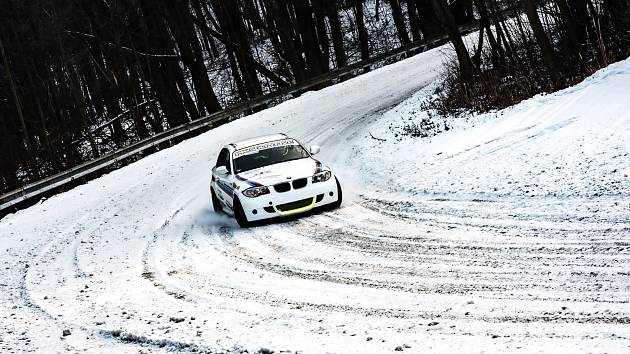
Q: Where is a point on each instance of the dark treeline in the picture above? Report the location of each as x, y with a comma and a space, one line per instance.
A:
81, 78
545, 46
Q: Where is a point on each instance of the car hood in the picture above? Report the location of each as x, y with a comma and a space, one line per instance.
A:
281, 172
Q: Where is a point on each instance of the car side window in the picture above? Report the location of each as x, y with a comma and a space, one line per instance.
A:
224, 160
227, 161
221, 158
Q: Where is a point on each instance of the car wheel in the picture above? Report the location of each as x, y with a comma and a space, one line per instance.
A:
239, 214
337, 204
216, 204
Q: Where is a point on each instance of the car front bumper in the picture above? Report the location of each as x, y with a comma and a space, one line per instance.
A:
294, 201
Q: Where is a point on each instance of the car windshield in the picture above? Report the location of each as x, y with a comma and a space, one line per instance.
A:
267, 154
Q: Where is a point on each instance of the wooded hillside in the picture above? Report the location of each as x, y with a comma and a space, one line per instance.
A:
82, 78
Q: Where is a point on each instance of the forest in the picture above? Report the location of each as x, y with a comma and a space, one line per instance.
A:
80, 79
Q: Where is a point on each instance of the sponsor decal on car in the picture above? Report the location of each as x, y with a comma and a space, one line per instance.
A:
255, 148
250, 182
226, 188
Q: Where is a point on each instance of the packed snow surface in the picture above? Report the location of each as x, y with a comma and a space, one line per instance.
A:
507, 232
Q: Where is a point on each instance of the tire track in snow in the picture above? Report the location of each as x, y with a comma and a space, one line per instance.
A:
64, 249
34, 267
457, 256
61, 248
165, 284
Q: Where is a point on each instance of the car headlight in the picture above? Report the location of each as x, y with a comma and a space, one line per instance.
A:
256, 191
321, 176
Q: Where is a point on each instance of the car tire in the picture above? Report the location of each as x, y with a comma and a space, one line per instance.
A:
337, 204
239, 215
216, 204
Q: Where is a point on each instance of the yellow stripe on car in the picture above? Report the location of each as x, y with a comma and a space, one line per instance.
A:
287, 212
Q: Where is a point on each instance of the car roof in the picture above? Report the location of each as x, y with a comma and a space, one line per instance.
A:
257, 140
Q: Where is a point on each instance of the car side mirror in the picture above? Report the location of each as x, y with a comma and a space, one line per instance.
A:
221, 170
315, 149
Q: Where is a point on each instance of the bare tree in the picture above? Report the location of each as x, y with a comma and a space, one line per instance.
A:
447, 20
548, 54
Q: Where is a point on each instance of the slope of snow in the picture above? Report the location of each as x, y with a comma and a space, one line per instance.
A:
509, 231
564, 155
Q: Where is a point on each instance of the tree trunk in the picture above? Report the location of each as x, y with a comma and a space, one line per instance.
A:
498, 54
272, 32
399, 22
414, 20
178, 15
619, 13
336, 33
429, 23
18, 105
240, 86
570, 27
508, 43
476, 58
448, 23
363, 36
308, 32
462, 11
135, 105
281, 18
585, 30
322, 35
231, 22
165, 80
548, 54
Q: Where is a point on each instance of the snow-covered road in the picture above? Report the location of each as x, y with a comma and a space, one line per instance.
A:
507, 232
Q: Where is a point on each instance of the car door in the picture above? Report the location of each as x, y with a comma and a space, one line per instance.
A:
222, 175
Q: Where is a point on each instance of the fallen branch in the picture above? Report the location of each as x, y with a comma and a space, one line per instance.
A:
103, 125
126, 49
375, 138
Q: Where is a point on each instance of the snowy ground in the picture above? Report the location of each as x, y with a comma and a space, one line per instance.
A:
509, 232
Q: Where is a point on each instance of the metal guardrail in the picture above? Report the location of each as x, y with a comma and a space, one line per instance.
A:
228, 114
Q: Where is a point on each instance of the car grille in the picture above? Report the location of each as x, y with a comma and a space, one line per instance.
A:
295, 205
299, 183
282, 187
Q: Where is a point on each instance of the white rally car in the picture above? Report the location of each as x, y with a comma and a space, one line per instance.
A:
271, 176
